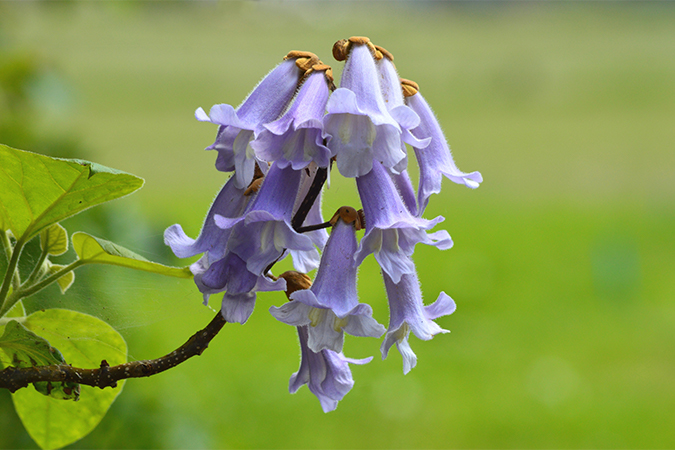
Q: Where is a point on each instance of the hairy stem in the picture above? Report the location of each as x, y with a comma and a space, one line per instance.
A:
12, 272
13, 378
35, 274
30, 290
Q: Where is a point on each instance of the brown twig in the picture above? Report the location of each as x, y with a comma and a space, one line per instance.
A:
14, 378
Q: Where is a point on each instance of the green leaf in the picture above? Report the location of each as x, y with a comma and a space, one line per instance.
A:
54, 240
84, 341
26, 349
37, 191
94, 250
66, 280
17, 311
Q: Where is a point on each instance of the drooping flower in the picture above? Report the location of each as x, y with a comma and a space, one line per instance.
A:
391, 230
390, 84
238, 127
260, 236
360, 126
330, 306
230, 202
296, 138
230, 274
407, 313
405, 189
435, 160
326, 373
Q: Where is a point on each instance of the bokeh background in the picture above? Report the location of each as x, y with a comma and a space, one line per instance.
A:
563, 267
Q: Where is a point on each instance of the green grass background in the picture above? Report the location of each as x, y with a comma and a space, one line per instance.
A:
563, 268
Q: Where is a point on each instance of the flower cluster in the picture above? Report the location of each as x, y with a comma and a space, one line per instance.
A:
280, 144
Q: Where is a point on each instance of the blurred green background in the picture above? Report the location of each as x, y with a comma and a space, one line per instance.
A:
563, 268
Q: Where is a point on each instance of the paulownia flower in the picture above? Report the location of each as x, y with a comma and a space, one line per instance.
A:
435, 160
230, 202
230, 274
408, 313
261, 235
238, 127
360, 126
330, 306
326, 373
296, 137
391, 230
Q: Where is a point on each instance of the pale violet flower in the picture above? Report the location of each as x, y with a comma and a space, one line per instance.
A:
405, 189
326, 373
331, 307
238, 127
264, 232
407, 313
435, 160
230, 274
296, 138
360, 126
392, 93
391, 230
230, 202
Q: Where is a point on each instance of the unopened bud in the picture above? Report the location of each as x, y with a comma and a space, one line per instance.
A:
295, 281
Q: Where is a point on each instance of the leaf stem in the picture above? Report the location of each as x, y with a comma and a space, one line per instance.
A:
35, 273
11, 276
14, 378
7, 247
30, 290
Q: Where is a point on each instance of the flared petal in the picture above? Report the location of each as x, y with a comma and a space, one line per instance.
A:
238, 127
230, 203
238, 308
435, 160
358, 121
408, 313
264, 231
391, 230
326, 373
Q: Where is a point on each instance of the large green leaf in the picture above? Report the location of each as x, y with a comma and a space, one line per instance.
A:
37, 191
95, 250
26, 349
84, 341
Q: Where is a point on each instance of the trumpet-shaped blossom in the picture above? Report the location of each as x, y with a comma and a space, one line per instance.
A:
331, 305
238, 127
261, 235
360, 126
392, 93
230, 274
326, 373
435, 160
391, 230
230, 202
296, 138
405, 190
408, 313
